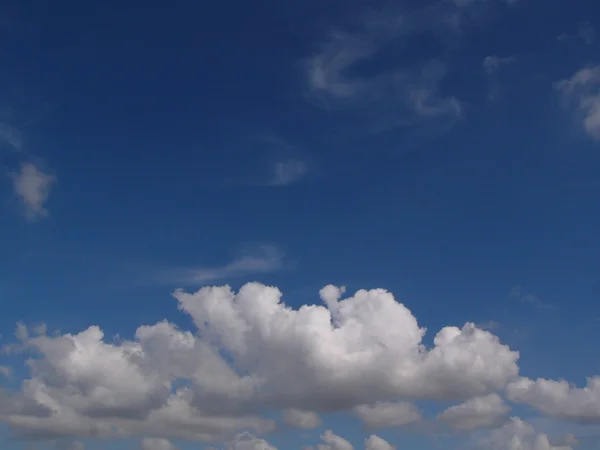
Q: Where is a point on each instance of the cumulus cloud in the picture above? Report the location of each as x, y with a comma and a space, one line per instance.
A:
374, 442
518, 435
387, 415
476, 412
250, 354
32, 186
156, 444
5, 371
334, 442
581, 93
559, 398
247, 441
301, 419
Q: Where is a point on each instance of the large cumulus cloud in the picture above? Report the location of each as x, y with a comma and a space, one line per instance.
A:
250, 353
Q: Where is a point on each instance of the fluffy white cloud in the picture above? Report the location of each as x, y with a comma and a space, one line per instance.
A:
476, 412
374, 442
156, 444
387, 415
252, 354
301, 419
32, 187
247, 441
582, 92
518, 435
559, 398
334, 442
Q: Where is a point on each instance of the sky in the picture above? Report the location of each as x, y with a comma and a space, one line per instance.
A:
318, 225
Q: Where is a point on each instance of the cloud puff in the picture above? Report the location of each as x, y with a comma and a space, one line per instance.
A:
156, 444
517, 435
581, 92
251, 354
387, 415
334, 442
301, 419
559, 398
374, 442
476, 412
247, 441
32, 187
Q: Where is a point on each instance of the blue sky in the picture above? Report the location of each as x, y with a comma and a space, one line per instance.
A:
445, 151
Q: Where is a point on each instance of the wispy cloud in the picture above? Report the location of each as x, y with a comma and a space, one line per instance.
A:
407, 94
581, 93
32, 186
519, 294
585, 32
255, 260
288, 172
11, 137
491, 64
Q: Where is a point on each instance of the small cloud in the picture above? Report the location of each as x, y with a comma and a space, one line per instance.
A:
32, 187
491, 64
517, 293
581, 94
489, 325
11, 136
260, 259
5, 371
585, 32
288, 172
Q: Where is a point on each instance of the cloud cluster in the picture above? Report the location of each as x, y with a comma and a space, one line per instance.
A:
581, 92
251, 354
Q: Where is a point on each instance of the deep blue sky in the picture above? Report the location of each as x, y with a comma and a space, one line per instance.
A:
163, 125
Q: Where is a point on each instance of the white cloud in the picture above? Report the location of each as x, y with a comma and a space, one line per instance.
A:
334, 442
253, 260
517, 435
32, 187
374, 442
301, 419
288, 172
156, 444
247, 441
581, 92
251, 354
476, 412
387, 415
559, 398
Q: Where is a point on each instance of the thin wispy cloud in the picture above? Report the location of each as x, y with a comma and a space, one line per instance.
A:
288, 172
519, 294
581, 94
255, 260
585, 32
10, 137
404, 95
32, 186
491, 64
